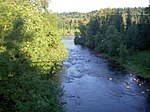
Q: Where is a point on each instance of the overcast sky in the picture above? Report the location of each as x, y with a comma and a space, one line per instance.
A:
89, 5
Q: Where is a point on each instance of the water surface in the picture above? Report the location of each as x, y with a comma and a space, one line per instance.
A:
92, 84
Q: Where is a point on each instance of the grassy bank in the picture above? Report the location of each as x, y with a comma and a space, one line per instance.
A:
139, 62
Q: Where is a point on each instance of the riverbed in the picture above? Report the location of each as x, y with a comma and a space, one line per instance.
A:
91, 83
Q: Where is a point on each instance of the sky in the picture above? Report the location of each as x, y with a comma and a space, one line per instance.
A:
90, 5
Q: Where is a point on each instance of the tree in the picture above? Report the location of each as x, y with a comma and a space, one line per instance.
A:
30, 51
112, 40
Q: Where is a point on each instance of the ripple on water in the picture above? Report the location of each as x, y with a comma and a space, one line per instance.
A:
87, 86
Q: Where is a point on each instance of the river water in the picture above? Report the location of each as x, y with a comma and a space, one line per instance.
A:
90, 83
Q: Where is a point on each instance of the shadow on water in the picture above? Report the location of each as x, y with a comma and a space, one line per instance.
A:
93, 84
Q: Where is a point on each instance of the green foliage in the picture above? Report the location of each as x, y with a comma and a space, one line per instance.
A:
29, 94
69, 22
30, 52
131, 39
112, 41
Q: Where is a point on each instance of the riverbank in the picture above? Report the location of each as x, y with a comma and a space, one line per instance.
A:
137, 64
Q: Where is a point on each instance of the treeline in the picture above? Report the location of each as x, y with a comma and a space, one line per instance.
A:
69, 22
117, 32
30, 52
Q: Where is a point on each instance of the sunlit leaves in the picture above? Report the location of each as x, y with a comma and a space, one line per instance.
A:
33, 35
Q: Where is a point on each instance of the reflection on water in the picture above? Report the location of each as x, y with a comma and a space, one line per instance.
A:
93, 84
69, 43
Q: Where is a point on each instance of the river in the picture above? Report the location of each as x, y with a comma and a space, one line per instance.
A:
91, 83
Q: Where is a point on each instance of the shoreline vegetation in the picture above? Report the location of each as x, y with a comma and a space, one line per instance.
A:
119, 34
30, 54
134, 64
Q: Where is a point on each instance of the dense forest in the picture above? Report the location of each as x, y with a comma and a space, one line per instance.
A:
30, 53
122, 34
69, 22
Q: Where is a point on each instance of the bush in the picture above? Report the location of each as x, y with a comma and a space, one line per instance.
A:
28, 94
